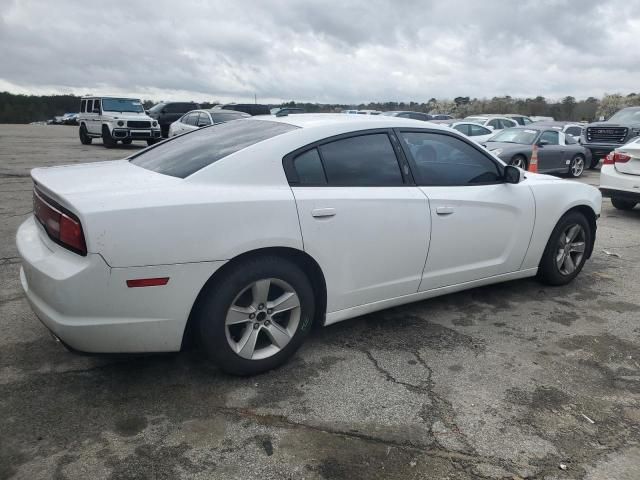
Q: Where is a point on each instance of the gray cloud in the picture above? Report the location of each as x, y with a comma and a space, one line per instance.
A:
348, 51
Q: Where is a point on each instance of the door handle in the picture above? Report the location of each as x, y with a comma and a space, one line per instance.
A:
446, 210
323, 212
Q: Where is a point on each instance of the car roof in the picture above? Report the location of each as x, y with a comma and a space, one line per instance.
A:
348, 123
94, 97
220, 111
556, 123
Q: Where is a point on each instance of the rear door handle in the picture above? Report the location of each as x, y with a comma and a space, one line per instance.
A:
446, 210
323, 212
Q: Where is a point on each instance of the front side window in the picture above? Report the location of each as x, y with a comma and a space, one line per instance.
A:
192, 119
365, 160
550, 136
443, 160
185, 154
121, 105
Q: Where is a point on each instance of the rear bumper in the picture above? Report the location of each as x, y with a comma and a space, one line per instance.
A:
88, 306
619, 185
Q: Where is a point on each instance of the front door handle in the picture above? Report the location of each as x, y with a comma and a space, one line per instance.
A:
446, 210
323, 212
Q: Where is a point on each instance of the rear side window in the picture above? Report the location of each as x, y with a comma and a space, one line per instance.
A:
575, 131
463, 128
308, 166
443, 160
83, 105
185, 154
365, 160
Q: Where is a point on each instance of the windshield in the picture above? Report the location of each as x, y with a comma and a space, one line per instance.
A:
186, 154
627, 116
515, 135
121, 105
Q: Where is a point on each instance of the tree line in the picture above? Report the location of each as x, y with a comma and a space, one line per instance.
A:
31, 108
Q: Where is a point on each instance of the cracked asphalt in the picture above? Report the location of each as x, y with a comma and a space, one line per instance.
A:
501, 382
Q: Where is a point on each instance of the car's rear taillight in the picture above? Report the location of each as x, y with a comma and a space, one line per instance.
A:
616, 157
61, 226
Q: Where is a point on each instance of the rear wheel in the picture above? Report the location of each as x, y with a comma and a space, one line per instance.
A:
256, 316
85, 139
519, 161
566, 250
576, 168
621, 204
107, 139
127, 141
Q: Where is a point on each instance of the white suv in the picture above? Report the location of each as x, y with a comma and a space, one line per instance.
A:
116, 120
620, 176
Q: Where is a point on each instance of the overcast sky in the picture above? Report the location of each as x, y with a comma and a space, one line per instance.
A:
320, 51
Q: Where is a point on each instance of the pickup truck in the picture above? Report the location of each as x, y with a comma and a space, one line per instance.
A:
604, 137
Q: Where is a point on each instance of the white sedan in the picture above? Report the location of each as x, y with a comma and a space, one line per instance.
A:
244, 234
475, 131
196, 119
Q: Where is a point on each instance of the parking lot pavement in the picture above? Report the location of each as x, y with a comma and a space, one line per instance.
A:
505, 381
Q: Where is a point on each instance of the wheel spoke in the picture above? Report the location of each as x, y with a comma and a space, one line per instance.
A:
286, 301
237, 315
577, 247
278, 335
568, 264
572, 233
260, 291
560, 258
247, 344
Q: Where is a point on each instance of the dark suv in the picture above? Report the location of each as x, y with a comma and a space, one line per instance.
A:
168, 112
604, 137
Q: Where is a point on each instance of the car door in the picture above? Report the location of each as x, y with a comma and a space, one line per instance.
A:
361, 218
550, 153
480, 225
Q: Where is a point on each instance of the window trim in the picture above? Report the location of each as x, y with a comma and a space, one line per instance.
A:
293, 179
416, 172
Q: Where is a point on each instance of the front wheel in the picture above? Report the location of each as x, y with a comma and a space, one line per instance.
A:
595, 161
576, 168
566, 250
127, 141
151, 141
621, 204
519, 161
256, 316
107, 139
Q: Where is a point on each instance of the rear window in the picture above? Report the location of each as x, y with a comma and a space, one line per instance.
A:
186, 154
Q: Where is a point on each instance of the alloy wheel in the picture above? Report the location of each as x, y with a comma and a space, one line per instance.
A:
262, 319
570, 250
577, 166
519, 162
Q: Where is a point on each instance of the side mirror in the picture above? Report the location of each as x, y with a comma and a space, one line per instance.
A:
542, 143
513, 174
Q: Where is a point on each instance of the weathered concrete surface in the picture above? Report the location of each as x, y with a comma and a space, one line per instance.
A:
489, 383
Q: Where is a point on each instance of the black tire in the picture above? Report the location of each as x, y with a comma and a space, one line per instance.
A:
127, 141
519, 161
621, 204
107, 140
595, 161
164, 131
218, 296
151, 141
573, 167
548, 270
85, 139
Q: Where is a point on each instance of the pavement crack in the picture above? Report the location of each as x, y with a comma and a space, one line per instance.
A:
9, 260
391, 378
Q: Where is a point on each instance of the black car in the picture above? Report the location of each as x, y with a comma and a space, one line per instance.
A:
250, 108
604, 137
168, 112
